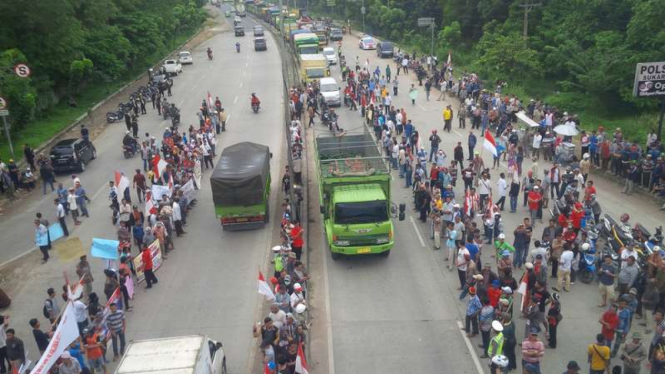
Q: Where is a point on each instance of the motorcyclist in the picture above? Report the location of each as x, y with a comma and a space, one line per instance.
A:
175, 113
218, 104
129, 142
238, 47
209, 52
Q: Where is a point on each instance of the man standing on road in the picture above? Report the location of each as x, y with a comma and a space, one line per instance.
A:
599, 356
533, 350
85, 274
140, 185
116, 324
61, 215
447, 118
41, 338
502, 188
633, 354
146, 257
15, 349
69, 365
606, 281
434, 140
472, 140
51, 305
73, 207
41, 240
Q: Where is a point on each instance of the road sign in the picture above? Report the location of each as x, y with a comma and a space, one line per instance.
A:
4, 112
362, 10
3, 103
649, 79
22, 70
426, 21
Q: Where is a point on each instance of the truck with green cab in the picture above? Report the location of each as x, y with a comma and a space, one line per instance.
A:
240, 186
354, 195
306, 43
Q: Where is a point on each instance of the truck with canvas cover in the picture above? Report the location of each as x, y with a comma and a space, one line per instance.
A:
354, 195
240, 186
195, 354
306, 43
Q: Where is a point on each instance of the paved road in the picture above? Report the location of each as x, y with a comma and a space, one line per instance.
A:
208, 284
399, 314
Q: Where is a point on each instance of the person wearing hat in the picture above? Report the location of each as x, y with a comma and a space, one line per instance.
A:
297, 297
473, 308
554, 317
533, 351
69, 365
510, 340
495, 347
572, 368
633, 353
502, 246
504, 264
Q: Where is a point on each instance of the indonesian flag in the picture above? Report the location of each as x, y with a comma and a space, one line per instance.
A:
75, 293
490, 143
468, 203
301, 364
264, 288
522, 289
158, 165
171, 181
121, 183
150, 206
66, 332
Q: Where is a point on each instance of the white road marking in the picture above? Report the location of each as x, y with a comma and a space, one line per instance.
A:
193, 88
235, 100
246, 63
181, 101
18, 257
458, 134
422, 107
99, 191
415, 227
326, 290
241, 83
472, 351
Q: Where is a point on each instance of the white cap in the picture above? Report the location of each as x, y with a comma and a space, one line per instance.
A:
297, 286
497, 326
502, 236
528, 265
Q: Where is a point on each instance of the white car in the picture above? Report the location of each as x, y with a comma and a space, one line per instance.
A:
330, 91
331, 55
185, 58
172, 67
367, 42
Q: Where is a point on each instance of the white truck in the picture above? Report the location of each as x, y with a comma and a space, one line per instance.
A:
172, 67
195, 354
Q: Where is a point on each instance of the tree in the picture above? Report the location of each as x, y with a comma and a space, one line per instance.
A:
506, 57
19, 92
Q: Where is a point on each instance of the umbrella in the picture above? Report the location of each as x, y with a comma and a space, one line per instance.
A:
566, 130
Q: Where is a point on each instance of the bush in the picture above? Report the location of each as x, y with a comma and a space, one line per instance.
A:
572, 102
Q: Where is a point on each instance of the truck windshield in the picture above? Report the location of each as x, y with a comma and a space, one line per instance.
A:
309, 50
364, 212
316, 73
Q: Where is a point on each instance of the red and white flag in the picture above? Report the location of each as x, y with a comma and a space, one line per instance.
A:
490, 143
264, 288
468, 203
150, 206
121, 183
75, 292
66, 332
158, 166
301, 364
211, 104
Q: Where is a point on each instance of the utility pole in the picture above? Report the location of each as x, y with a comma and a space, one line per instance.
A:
363, 10
527, 8
281, 20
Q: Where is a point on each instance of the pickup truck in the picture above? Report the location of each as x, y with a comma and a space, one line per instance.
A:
172, 67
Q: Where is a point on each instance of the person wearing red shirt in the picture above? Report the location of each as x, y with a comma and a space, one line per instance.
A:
534, 198
297, 236
576, 215
589, 190
494, 293
146, 258
610, 321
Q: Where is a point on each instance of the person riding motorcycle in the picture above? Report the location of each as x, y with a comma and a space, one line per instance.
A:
209, 52
255, 100
129, 142
175, 114
238, 46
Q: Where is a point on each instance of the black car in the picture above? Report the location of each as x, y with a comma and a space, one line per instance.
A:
260, 44
336, 34
240, 30
72, 154
385, 49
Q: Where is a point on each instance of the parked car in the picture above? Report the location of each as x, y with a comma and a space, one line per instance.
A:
227, 13
185, 58
258, 31
336, 35
385, 49
331, 55
72, 154
367, 42
172, 67
330, 91
260, 44
239, 30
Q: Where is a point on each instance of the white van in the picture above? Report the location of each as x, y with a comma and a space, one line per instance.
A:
330, 91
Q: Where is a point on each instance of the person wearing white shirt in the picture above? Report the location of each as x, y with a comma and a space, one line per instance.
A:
628, 252
501, 186
277, 316
81, 315
73, 207
297, 297
537, 140
177, 217
484, 190
565, 267
61, 215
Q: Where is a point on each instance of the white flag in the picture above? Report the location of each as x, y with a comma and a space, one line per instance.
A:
66, 332
301, 364
264, 288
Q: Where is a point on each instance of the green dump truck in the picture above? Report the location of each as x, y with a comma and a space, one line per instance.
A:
240, 186
354, 195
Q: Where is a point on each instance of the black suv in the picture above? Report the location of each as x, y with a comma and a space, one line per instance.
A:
385, 49
72, 154
336, 34
239, 30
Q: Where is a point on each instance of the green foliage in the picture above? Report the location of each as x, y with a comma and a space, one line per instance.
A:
20, 95
507, 57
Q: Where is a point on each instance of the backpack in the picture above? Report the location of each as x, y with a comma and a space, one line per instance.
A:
45, 310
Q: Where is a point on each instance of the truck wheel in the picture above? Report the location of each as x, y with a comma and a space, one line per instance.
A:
335, 256
385, 253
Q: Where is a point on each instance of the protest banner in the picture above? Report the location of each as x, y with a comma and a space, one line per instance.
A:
156, 252
159, 191
55, 231
197, 173
188, 190
104, 248
66, 332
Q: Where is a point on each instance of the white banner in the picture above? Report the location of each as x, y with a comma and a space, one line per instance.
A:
66, 332
159, 191
188, 190
197, 173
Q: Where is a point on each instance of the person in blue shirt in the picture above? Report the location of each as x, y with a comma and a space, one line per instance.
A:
473, 308
474, 250
593, 148
408, 131
77, 353
472, 144
624, 324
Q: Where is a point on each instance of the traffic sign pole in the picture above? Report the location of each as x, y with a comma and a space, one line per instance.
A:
9, 139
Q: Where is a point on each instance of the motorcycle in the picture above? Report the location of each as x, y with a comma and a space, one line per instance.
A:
587, 264
112, 117
209, 55
238, 47
175, 116
255, 107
